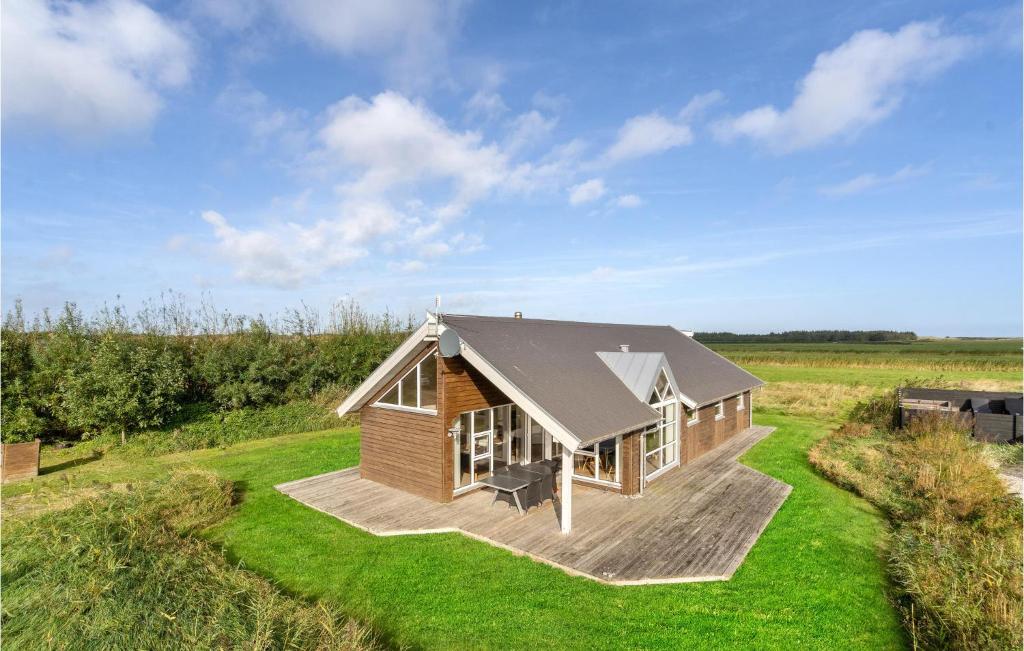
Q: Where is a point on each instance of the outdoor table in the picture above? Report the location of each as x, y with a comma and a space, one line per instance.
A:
507, 483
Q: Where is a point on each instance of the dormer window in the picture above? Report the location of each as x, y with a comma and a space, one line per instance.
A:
417, 390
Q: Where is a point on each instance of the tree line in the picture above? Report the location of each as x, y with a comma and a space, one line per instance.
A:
807, 337
69, 376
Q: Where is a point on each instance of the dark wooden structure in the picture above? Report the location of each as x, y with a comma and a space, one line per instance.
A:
994, 416
19, 461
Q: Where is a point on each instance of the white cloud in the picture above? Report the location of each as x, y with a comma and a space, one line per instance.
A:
89, 70
699, 104
851, 87
285, 255
644, 135
395, 142
869, 181
629, 201
410, 35
485, 105
586, 192
266, 123
528, 129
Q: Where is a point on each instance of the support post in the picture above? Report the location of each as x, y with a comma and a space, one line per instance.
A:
566, 490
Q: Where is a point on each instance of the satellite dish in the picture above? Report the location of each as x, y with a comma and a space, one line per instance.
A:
448, 343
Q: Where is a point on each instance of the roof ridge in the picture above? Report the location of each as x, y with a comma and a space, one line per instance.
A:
561, 321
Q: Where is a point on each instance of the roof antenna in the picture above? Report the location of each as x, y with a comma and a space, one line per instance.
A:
437, 304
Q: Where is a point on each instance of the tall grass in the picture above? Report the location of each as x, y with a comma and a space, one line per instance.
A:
126, 571
954, 553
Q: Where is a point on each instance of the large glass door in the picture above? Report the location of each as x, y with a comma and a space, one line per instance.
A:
473, 447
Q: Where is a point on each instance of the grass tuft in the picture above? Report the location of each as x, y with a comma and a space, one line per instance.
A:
954, 552
126, 571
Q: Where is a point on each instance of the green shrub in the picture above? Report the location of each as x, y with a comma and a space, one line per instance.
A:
113, 374
126, 571
954, 553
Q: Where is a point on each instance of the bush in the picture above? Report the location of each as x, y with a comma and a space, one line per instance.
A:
125, 571
78, 378
955, 553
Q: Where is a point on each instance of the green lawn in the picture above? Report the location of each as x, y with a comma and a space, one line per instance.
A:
814, 579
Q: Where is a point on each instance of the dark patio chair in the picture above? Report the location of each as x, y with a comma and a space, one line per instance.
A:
547, 481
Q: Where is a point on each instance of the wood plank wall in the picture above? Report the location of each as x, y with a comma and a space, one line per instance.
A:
632, 461
709, 433
463, 389
403, 449
19, 460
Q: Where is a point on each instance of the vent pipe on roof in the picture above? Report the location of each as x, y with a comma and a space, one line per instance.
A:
518, 315
624, 348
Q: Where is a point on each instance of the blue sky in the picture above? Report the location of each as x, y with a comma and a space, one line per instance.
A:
778, 166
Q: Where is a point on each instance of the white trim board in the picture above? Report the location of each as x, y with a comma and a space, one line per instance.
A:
385, 372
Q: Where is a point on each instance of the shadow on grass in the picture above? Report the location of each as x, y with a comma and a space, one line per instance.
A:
70, 463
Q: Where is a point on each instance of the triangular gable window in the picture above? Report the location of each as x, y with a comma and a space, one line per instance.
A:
417, 389
662, 390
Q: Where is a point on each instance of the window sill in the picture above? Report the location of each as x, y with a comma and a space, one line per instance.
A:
411, 410
695, 421
719, 417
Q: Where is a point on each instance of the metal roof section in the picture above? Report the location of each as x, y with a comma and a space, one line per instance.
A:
639, 372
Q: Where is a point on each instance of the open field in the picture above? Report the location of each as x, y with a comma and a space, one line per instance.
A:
922, 355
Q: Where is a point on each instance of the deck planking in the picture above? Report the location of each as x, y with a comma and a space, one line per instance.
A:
695, 523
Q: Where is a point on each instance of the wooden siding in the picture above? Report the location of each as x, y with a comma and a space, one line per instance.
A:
19, 461
461, 388
403, 449
707, 434
631, 462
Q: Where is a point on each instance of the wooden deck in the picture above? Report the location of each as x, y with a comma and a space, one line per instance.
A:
696, 523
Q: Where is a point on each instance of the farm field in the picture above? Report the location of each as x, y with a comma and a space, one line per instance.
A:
815, 578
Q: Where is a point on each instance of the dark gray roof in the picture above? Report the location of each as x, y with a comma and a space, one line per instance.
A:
556, 365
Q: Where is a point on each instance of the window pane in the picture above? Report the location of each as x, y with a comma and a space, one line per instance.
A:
518, 453
653, 441
668, 392
654, 398
536, 441
391, 397
607, 458
501, 433
483, 468
463, 466
481, 420
653, 462
480, 445
670, 453
668, 434
584, 465
670, 412
428, 382
662, 383
409, 389
719, 409
690, 413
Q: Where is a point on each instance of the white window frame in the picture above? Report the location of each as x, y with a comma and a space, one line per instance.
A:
696, 416
660, 427
586, 453
398, 383
720, 410
740, 403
